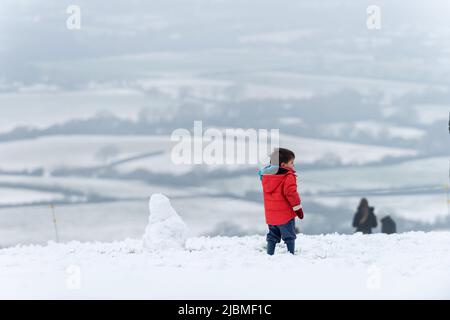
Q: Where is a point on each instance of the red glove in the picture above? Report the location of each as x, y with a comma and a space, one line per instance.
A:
299, 213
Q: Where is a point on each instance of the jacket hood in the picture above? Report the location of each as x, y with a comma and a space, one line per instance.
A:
271, 182
269, 169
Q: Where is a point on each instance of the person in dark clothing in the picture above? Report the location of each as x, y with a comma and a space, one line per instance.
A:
388, 225
364, 219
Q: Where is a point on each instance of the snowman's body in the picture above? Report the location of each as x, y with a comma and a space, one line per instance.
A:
165, 229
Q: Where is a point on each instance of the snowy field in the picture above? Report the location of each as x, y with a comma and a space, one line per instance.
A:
40, 107
167, 263
153, 153
411, 265
11, 196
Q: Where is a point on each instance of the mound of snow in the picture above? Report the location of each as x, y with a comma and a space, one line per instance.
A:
165, 229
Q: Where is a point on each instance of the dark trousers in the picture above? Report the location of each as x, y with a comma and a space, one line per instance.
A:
286, 232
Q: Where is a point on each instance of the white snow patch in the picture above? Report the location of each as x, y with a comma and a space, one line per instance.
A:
12, 196
279, 38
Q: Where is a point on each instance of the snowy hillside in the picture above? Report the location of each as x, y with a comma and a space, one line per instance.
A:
153, 153
411, 265
166, 264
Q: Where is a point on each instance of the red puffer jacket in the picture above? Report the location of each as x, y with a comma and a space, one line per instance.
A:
281, 198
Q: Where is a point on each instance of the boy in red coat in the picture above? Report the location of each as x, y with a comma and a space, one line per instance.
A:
281, 200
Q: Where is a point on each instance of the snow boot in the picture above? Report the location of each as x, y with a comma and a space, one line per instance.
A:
291, 246
271, 247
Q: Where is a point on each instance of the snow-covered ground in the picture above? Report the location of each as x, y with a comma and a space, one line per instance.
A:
411, 265
168, 264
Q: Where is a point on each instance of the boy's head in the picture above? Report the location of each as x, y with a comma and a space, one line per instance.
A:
284, 158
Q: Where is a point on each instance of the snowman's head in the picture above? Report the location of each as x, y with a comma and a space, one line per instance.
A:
160, 208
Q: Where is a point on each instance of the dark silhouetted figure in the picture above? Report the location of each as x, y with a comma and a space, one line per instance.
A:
364, 219
388, 225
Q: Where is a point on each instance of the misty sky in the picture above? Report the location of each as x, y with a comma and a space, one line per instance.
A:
127, 50
35, 44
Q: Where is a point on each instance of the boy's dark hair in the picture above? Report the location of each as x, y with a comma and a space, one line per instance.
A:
281, 155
